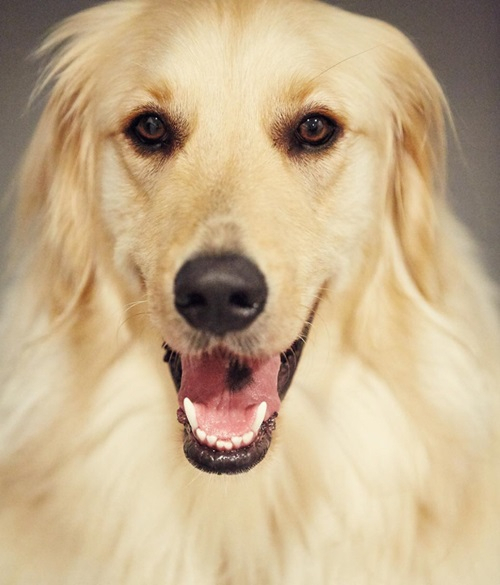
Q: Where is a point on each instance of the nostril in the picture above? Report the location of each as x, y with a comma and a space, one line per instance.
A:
190, 300
241, 300
219, 294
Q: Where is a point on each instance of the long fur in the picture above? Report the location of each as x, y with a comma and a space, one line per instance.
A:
385, 466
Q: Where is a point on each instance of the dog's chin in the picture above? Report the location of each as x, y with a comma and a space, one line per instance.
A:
222, 461
229, 403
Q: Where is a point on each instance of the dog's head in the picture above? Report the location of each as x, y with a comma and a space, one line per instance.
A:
233, 164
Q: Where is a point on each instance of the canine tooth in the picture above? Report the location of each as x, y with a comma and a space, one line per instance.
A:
237, 441
248, 438
190, 413
201, 435
259, 417
211, 440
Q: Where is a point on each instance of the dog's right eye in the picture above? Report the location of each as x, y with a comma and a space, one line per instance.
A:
150, 130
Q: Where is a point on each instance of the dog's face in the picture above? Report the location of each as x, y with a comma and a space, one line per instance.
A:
246, 160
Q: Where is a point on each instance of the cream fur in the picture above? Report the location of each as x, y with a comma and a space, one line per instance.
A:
385, 466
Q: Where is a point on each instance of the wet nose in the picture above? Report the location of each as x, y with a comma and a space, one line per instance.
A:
220, 293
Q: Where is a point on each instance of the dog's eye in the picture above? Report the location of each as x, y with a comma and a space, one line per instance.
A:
150, 130
316, 130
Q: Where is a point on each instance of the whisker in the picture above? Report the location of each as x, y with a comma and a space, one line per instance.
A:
134, 304
129, 312
346, 59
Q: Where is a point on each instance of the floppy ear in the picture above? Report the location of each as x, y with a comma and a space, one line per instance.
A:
59, 179
416, 188
57, 186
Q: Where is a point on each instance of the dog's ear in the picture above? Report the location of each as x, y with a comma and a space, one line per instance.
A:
417, 174
57, 186
59, 179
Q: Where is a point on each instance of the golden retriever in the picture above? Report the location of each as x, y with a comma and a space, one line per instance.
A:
252, 192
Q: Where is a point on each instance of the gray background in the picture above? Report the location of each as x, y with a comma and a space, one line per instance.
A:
459, 39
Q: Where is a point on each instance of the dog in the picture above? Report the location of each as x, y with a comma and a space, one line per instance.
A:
244, 338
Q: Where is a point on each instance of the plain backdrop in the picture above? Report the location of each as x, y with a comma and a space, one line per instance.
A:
459, 39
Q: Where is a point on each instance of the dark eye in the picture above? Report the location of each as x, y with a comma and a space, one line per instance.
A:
150, 130
316, 130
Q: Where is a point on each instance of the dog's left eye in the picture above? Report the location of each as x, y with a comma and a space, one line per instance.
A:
316, 130
149, 130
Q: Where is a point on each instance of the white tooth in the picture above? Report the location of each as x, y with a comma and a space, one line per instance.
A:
248, 438
201, 435
259, 417
224, 445
190, 413
211, 440
237, 441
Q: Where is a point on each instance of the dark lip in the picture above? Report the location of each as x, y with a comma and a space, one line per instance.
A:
233, 462
243, 459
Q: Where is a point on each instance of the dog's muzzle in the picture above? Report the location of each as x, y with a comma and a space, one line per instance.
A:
228, 403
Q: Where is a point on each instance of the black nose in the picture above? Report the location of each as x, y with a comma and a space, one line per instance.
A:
218, 294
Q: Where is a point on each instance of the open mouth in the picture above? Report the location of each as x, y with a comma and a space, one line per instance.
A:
228, 404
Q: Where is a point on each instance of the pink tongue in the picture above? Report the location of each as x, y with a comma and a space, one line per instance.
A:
226, 395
